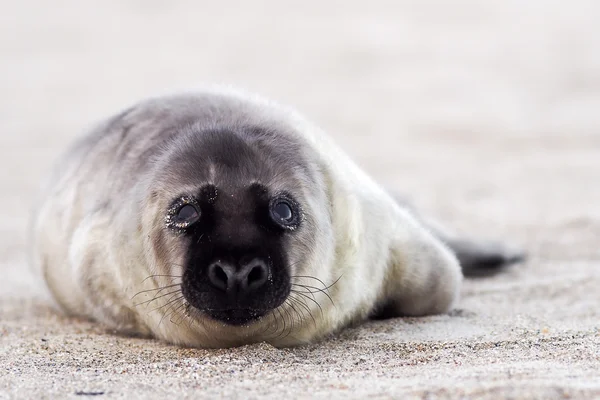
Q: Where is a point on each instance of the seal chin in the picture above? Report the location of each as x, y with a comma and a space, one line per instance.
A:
236, 317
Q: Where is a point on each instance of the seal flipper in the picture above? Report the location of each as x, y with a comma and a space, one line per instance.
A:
477, 257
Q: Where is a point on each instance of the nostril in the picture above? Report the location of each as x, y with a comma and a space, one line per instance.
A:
218, 276
257, 275
227, 278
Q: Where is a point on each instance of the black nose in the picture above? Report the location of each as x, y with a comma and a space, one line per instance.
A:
230, 279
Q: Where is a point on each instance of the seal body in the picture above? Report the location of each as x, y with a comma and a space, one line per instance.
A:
217, 218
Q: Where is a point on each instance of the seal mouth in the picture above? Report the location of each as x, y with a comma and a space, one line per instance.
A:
236, 316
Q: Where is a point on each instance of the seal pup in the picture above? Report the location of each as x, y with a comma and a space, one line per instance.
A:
217, 218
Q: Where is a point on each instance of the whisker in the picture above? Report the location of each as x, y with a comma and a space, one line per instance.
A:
284, 322
166, 287
308, 310
274, 324
181, 316
278, 320
291, 304
310, 277
281, 319
147, 302
171, 310
151, 290
324, 290
300, 303
309, 298
271, 318
306, 290
168, 276
318, 290
170, 301
293, 312
325, 287
190, 320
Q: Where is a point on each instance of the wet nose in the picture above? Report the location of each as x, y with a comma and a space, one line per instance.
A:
238, 280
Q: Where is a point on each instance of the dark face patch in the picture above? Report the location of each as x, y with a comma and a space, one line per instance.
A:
237, 268
235, 232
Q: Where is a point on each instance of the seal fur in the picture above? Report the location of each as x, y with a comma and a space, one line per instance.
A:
104, 249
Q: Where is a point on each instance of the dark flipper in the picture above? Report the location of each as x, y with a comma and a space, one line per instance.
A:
481, 258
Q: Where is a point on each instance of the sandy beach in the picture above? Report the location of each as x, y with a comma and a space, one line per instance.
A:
486, 114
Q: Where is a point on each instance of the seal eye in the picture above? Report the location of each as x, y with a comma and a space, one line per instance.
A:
183, 213
285, 212
187, 215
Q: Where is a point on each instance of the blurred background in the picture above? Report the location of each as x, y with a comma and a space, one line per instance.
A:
487, 114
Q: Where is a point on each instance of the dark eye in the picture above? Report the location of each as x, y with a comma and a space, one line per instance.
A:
187, 215
182, 214
285, 212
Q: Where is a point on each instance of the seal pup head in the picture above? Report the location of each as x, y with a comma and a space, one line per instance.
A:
235, 220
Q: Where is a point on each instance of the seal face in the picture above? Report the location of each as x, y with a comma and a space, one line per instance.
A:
234, 225
236, 267
218, 218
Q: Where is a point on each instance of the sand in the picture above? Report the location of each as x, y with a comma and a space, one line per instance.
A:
485, 113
